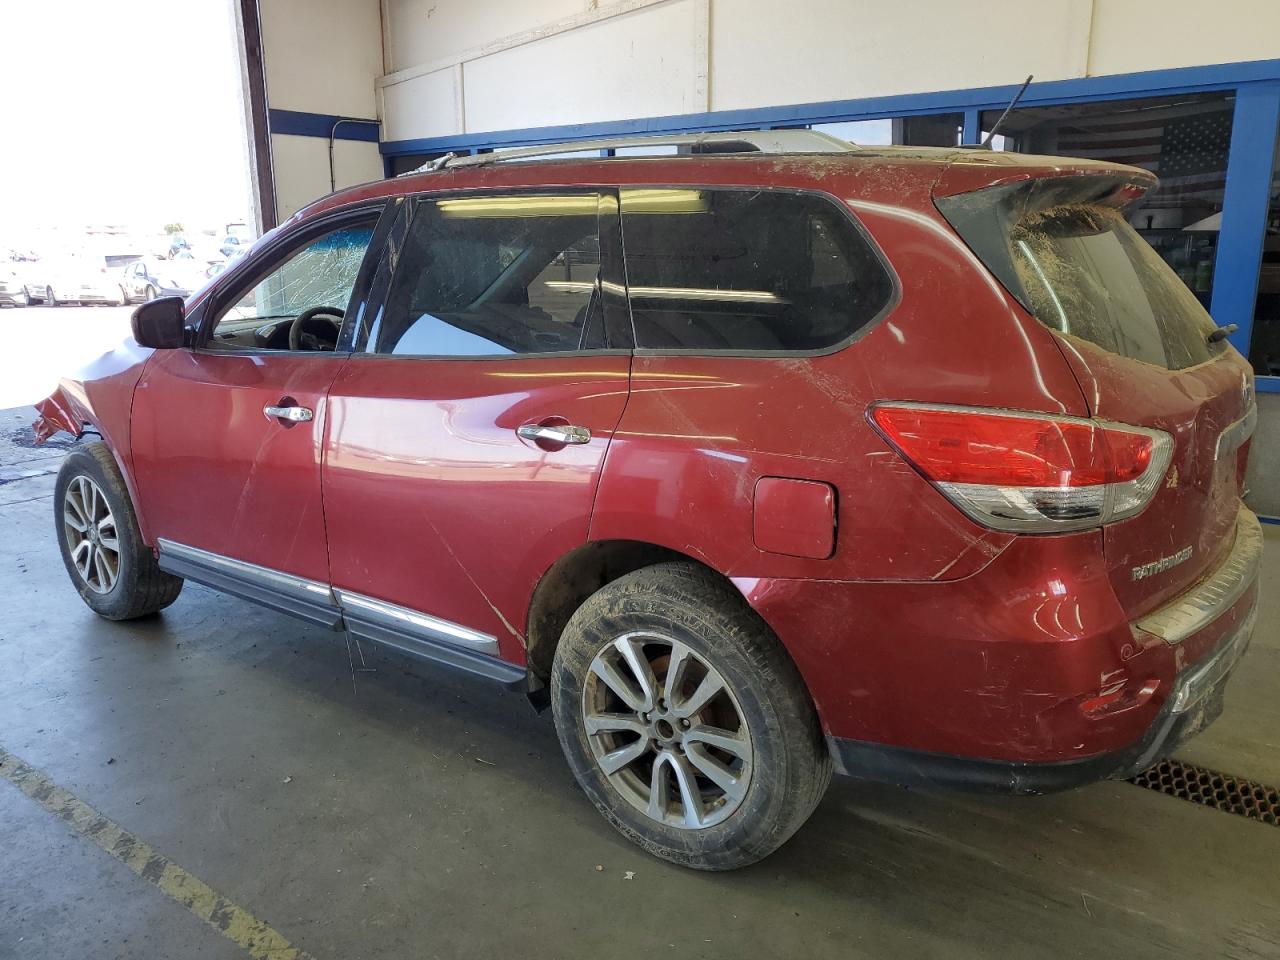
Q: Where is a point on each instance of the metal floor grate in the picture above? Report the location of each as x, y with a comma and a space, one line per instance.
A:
1257, 801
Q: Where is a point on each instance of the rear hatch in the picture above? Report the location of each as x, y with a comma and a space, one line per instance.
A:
1141, 346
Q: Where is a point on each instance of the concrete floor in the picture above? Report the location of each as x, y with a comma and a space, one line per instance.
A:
417, 813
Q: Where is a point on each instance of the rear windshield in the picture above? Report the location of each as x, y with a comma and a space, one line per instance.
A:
1075, 263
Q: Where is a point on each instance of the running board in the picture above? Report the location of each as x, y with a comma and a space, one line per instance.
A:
418, 634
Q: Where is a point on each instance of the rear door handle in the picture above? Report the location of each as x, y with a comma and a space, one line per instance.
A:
554, 434
291, 414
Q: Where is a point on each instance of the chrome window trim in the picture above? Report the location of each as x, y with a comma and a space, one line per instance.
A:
1217, 593
1234, 436
414, 622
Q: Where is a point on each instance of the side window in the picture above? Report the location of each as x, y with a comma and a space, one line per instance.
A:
300, 303
494, 274
743, 270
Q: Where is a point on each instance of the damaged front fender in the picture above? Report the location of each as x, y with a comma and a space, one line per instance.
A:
56, 414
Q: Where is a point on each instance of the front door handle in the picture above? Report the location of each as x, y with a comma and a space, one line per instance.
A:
291, 414
554, 433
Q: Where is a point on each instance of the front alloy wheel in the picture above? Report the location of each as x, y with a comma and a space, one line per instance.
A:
90, 529
667, 731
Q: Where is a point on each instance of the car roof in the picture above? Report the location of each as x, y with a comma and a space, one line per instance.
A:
874, 165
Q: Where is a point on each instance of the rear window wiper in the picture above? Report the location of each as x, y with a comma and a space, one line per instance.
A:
1223, 332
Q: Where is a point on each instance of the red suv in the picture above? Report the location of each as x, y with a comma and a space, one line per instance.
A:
767, 458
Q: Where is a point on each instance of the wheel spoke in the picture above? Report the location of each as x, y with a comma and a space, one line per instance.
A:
690, 796
619, 684
73, 513
109, 568
675, 672
614, 723
633, 653
81, 556
715, 771
107, 533
711, 684
100, 568
726, 740
659, 789
615, 760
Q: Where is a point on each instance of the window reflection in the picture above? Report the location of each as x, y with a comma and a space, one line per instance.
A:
1264, 348
935, 130
1183, 140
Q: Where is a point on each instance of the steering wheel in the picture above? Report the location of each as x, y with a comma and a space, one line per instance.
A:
307, 332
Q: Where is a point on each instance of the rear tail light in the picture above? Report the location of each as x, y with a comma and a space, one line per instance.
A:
1028, 472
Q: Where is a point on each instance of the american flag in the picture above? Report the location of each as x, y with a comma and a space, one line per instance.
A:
1184, 144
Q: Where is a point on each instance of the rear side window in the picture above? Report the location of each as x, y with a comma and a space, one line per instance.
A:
747, 271
1069, 256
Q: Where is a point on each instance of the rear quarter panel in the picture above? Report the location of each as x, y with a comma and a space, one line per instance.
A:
700, 430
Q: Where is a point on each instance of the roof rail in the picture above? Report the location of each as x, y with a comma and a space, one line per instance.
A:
749, 141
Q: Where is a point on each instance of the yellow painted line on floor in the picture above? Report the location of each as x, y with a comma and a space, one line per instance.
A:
230, 919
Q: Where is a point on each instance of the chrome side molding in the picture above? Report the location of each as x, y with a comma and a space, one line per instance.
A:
356, 606
285, 592
1216, 594
404, 629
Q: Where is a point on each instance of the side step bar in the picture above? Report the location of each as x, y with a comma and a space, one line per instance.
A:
417, 634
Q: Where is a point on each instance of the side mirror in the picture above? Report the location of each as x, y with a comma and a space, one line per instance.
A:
161, 324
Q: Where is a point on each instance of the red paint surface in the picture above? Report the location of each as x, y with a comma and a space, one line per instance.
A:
795, 517
922, 629
432, 500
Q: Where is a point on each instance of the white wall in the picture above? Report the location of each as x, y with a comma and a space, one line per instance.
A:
475, 65
321, 56
302, 168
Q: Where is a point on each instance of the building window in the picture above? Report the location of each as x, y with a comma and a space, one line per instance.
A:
936, 130
1183, 140
1264, 347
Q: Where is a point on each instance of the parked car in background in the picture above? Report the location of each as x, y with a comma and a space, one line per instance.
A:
914, 464
148, 279
233, 244
13, 291
35, 280
83, 279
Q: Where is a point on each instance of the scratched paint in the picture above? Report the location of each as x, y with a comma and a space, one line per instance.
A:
230, 919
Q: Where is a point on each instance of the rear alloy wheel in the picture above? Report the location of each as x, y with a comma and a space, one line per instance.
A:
114, 572
684, 720
666, 730
49, 299
152, 292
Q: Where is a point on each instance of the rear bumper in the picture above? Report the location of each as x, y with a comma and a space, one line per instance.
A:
1030, 668
1196, 701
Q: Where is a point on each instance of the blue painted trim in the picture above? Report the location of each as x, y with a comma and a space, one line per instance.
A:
972, 126
298, 124
1245, 202
1275, 520
1266, 384
1119, 86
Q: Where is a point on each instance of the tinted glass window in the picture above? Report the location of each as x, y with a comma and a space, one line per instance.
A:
1182, 139
1264, 349
745, 270
319, 275
492, 274
1077, 264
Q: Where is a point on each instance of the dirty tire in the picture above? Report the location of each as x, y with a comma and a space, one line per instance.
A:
141, 587
790, 765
